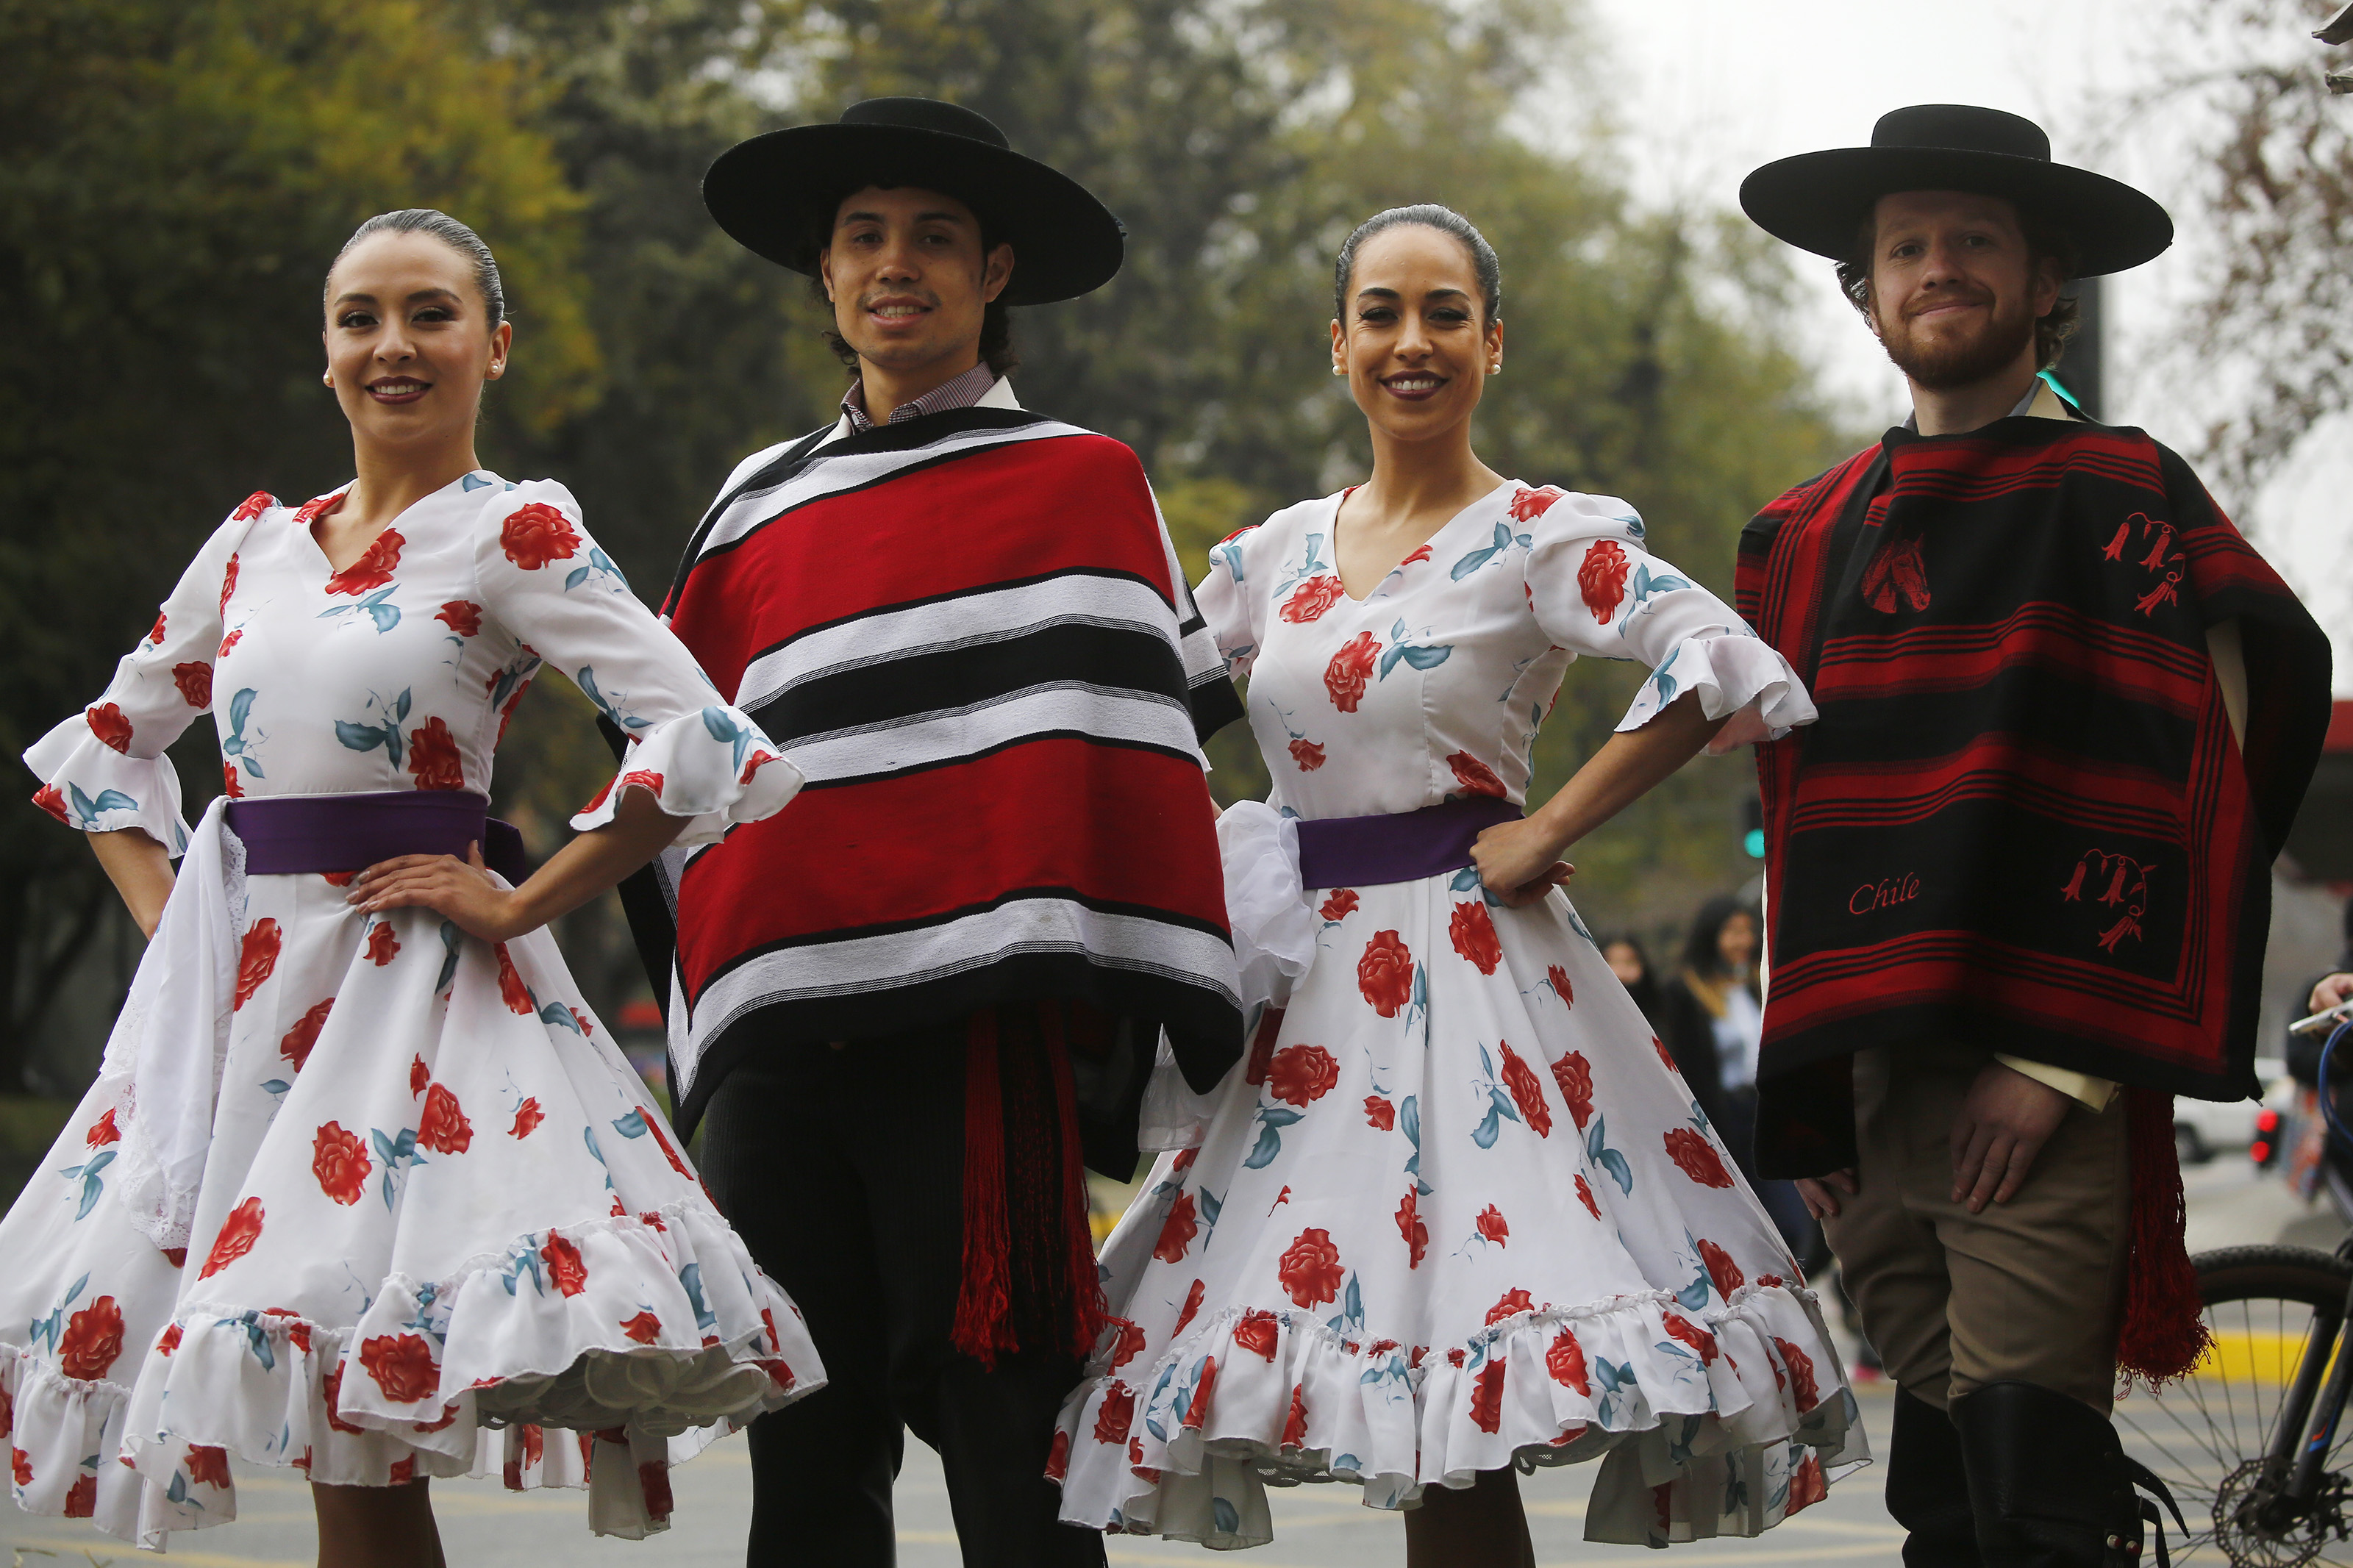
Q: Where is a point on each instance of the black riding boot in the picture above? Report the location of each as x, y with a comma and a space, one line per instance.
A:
2048, 1480
1928, 1487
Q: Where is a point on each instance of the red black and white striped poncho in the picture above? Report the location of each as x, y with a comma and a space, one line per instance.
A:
969, 631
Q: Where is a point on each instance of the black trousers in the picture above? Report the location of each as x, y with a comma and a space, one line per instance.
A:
843, 1171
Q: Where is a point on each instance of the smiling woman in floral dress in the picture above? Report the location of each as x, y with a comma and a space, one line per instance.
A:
1458, 1212
363, 1189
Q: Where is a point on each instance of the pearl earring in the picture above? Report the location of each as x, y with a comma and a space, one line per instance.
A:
1339, 370
328, 379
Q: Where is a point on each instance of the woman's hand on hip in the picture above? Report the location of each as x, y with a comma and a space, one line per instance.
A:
1519, 862
460, 891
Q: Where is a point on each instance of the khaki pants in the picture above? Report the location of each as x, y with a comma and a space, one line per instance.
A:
2029, 1291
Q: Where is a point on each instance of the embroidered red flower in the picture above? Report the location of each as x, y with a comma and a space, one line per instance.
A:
1574, 1075
82, 1498
1129, 1345
1350, 667
528, 1116
402, 1366
444, 1128
1515, 1301
253, 506
536, 534
1115, 1415
1294, 1425
170, 1341
101, 1133
1527, 1090
462, 616
340, 1163
228, 643
1682, 1327
207, 1465
237, 1235
1472, 931
1721, 1269
195, 680
1562, 986
1801, 1374
1177, 1231
1192, 1305
1528, 505
564, 1265
51, 799
1566, 1362
1385, 973
1487, 1397
433, 756
512, 990
256, 957
1380, 1113
1492, 1227
1474, 776
93, 1340
1302, 1074
1311, 599
1257, 1333
1413, 1227
1697, 1157
1342, 903
381, 944
228, 583
374, 567
645, 1328
1310, 1269
1601, 579
420, 1075
1308, 754
107, 722
1584, 1196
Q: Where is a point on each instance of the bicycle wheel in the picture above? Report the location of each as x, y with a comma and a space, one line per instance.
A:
2207, 1434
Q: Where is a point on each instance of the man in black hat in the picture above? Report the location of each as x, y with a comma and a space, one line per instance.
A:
2022, 860
904, 1010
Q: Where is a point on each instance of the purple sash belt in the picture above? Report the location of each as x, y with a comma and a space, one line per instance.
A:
1403, 846
353, 832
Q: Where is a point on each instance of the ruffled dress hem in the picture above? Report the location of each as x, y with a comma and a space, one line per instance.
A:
1713, 1419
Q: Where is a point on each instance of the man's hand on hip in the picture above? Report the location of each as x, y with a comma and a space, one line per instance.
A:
2002, 1126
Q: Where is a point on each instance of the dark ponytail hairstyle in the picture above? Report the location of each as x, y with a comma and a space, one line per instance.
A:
1427, 214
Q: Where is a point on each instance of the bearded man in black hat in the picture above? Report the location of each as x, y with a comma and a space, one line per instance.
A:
903, 1011
2018, 870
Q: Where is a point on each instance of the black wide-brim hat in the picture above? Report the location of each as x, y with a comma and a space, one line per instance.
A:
1816, 201
776, 195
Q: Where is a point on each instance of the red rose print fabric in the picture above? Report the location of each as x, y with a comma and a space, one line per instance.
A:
1697, 1158
1177, 1231
1311, 1269
237, 1235
108, 724
1526, 1090
433, 756
1473, 777
256, 958
374, 567
1472, 930
340, 1161
1385, 973
1490, 1226
92, 1342
443, 1127
538, 533
1340, 905
1574, 1075
1311, 599
195, 680
462, 616
1302, 1074
402, 1366
1351, 668
1307, 754
1601, 580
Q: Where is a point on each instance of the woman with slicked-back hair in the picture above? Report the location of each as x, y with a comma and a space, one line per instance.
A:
1458, 1216
364, 1190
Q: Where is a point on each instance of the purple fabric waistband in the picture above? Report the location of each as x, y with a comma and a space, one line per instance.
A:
353, 832
1404, 847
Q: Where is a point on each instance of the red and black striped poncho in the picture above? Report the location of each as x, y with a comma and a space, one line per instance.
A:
2021, 821
969, 632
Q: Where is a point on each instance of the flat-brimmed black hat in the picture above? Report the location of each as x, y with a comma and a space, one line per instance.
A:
776, 195
1816, 201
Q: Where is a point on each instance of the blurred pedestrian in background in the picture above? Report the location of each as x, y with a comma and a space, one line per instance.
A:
1630, 960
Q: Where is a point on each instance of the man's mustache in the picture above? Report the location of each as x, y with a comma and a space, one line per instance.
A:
1951, 297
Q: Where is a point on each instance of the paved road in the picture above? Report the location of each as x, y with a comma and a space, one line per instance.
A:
1316, 1527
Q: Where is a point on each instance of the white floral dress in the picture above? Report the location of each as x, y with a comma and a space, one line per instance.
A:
1457, 1210
367, 1196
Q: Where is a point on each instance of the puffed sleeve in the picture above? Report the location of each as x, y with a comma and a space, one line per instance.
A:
1229, 601
104, 769
545, 581
1595, 590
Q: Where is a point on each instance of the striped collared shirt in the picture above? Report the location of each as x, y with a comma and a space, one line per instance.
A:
957, 392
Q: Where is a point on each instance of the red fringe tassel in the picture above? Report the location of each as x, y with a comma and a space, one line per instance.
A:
984, 1317
2164, 1334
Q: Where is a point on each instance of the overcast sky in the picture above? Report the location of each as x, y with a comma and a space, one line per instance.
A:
1707, 90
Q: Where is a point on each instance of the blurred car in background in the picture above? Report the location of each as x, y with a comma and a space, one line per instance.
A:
2203, 1129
